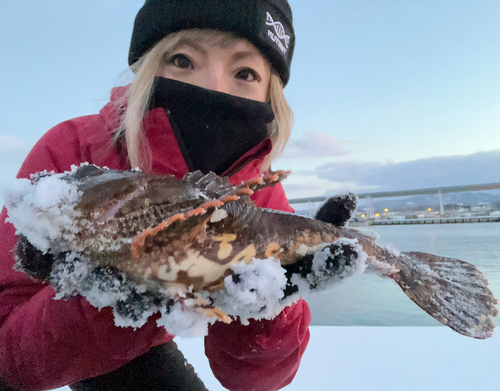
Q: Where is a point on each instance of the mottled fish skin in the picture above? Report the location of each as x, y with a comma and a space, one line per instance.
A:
196, 251
189, 232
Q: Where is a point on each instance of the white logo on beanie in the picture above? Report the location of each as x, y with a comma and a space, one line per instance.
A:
279, 33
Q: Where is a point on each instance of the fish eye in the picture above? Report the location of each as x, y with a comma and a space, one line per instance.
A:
248, 74
181, 61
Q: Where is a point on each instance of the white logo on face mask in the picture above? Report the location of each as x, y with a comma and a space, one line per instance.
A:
279, 33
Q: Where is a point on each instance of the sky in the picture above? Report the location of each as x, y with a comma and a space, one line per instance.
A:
387, 95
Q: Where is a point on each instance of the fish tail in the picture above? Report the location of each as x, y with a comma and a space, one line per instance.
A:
450, 290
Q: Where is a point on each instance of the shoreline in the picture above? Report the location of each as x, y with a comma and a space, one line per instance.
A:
436, 220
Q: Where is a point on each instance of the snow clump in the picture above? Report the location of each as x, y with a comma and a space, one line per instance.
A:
49, 201
254, 291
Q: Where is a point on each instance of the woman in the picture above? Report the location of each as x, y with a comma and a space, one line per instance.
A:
207, 95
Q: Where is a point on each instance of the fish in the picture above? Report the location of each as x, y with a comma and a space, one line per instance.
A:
185, 236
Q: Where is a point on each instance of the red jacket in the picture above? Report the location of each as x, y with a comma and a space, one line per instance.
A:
46, 343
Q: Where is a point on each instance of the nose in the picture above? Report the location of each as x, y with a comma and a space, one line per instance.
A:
216, 81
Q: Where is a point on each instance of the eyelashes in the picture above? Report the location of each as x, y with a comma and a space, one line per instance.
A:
183, 62
180, 61
248, 74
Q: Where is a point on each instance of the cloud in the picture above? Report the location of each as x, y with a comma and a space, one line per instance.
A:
314, 144
310, 185
477, 168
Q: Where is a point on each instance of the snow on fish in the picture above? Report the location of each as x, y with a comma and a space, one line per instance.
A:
198, 250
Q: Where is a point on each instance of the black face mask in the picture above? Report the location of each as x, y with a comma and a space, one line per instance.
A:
213, 129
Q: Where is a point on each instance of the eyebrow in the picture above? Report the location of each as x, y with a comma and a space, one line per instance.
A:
238, 56
245, 54
191, 43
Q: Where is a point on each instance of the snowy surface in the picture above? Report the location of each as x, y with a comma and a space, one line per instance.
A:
382, 358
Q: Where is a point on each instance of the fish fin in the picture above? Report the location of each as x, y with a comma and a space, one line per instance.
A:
326, 267
192, 221
197, 222
267, 180
211, 184
450, 290
194, 302
216, 187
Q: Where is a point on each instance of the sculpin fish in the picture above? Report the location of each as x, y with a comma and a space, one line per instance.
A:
185, 236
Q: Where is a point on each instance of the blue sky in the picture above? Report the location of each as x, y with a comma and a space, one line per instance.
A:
386, 94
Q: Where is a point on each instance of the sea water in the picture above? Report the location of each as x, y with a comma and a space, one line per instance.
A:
368, 300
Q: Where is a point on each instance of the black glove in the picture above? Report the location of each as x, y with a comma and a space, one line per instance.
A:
337, 210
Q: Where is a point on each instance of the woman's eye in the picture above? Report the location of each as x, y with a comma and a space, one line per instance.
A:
248, 74
181, 61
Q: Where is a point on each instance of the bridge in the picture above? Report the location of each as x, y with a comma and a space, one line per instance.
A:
404, 193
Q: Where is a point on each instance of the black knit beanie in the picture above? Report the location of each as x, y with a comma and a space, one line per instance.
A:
265, 23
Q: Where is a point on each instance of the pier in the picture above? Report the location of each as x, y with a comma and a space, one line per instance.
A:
371, 217
438, 220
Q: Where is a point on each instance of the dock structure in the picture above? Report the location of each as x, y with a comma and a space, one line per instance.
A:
438, 220
439, 191
403, 193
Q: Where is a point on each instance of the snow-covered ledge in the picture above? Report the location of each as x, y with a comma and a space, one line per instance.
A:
382, 358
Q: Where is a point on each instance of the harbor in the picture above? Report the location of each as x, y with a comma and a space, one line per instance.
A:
439, 205
438, 220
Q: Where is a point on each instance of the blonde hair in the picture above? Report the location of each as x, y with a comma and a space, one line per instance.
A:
139, 95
